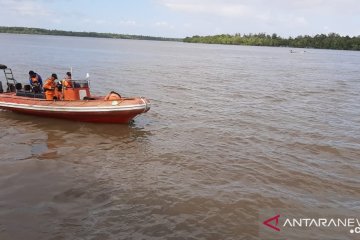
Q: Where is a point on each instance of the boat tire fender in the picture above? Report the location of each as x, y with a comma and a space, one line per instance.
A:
113, 96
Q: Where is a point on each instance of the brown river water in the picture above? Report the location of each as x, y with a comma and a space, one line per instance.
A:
232, 131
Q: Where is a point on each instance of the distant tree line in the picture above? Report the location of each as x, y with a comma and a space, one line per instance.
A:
41, 31
329, 41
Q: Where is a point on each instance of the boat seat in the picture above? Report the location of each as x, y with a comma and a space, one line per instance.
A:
88, 98
30, 94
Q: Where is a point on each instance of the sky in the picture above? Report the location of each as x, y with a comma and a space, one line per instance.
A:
182, 18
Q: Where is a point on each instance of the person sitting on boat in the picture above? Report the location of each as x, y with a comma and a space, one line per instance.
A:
35, 81
66, 82
50, 87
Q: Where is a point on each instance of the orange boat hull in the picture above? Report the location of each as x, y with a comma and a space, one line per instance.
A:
97, 110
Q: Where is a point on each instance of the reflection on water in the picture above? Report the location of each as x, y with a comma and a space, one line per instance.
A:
63, 170
42, 136
232, 130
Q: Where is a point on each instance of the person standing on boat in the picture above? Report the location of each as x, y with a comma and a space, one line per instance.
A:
66, 83
35, 81
50, 87
67, 80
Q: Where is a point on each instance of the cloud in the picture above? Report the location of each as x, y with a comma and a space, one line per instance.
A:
128, 23
284, 17
319, 7
187, 17
164, 24
246, 8
107, 22
221, 8
29, 8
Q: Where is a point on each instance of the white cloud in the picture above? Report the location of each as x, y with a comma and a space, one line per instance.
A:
336, 7
164, 24
221, 8
240, 8
285, 17
89, 21
128, 23
25, 8
188, 17
86, 20
107, 22
300, 20
100, 22
57, 21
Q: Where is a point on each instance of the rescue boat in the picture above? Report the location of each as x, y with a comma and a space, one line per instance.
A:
72, 103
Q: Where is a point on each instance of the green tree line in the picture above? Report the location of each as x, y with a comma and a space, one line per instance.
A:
329, 41
41, 31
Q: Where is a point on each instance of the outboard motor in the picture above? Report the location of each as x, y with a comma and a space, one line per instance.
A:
27, 88
18, 86
11, 87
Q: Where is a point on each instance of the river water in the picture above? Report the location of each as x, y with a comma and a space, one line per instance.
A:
233, 130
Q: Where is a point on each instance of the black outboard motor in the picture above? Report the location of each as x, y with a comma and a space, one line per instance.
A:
27, 88
11, 87
18, 86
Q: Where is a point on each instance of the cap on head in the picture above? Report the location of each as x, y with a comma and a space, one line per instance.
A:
69, 74
31, 72
54, 75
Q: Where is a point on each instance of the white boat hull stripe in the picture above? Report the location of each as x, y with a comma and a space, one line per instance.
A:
73, 109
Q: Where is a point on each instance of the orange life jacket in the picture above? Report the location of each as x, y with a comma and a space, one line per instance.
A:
49, 88
34, 80
67, 83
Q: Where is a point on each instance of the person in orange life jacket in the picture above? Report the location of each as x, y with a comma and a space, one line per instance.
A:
50, 86
67, 80
35, 79
62, 85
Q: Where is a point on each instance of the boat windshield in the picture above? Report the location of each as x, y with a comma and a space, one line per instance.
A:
79, 83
